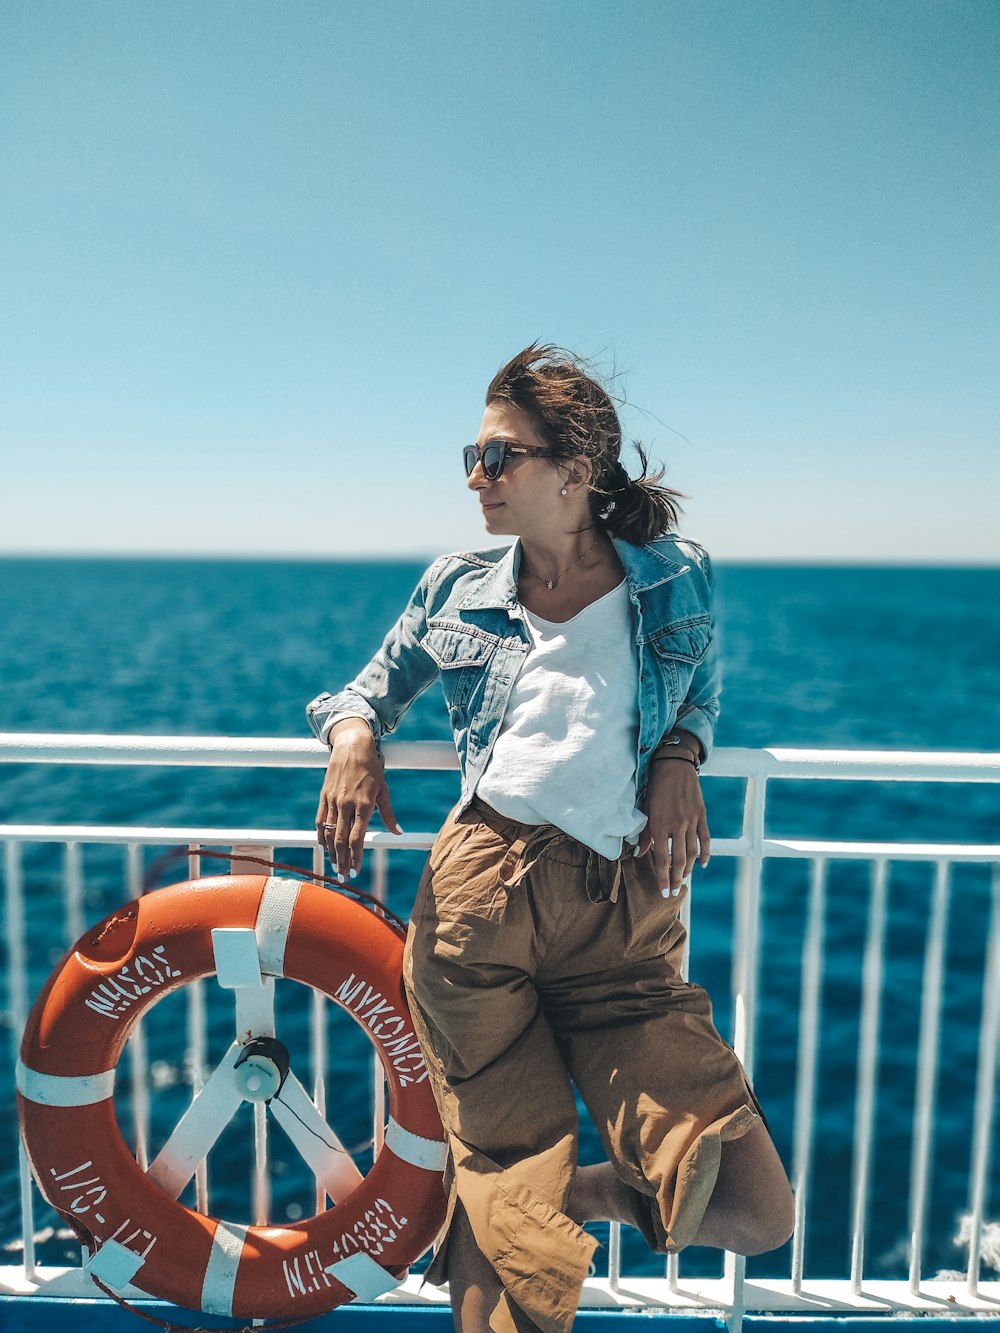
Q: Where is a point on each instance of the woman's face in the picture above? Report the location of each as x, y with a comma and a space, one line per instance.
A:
525, 499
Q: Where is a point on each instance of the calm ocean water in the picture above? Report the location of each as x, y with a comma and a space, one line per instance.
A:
819, 657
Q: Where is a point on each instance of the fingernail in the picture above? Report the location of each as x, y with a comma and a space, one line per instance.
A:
677, 893
352, 873
399, 829
665, 893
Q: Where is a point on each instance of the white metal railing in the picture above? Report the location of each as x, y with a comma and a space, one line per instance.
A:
750, 852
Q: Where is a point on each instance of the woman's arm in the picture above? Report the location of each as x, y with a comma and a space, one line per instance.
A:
353, 789
677, 824
699, 712
382, 692
353, 722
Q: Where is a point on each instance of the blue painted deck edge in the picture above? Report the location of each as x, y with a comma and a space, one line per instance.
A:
49, 1314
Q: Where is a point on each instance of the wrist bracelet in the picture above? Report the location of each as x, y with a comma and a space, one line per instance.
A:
685, 758
673, 741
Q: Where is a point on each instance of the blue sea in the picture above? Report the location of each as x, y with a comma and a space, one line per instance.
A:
893, 658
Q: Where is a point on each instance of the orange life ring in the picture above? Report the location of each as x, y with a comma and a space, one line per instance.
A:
142, 1234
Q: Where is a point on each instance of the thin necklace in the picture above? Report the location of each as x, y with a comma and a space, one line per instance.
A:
551, 583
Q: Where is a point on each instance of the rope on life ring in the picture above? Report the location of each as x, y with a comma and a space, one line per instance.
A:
247, 930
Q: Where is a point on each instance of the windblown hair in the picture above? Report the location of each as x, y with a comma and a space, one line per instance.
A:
576, 418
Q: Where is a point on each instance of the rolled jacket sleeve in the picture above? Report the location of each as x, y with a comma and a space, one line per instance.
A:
382, 692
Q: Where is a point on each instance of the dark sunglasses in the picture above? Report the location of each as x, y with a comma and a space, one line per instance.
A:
494, 454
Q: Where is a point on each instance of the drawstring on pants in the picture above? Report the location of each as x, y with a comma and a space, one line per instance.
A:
523, 852
603, 877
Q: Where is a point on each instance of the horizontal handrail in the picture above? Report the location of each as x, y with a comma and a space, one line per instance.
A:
408, 842
210, 751
202, 837
285, 752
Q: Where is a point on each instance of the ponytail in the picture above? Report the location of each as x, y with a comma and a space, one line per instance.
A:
636, 509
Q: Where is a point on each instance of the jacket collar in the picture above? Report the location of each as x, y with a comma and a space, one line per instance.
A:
498, 585
648, 566
645, 567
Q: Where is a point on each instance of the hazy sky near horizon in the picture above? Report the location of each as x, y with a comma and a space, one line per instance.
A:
261, 260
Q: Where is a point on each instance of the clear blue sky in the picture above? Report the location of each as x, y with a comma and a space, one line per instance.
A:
260, 260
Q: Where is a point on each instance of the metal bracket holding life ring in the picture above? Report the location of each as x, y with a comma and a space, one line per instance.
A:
247, 930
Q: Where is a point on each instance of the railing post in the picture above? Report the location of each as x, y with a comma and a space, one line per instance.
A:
673, 1264
615, 1256
747, 921
195, 1053
17, 996
985, 1090
927, 1061
317, 1039
805, 1089
745, 947
74, 892
380, 890
139, 1067
864, 1105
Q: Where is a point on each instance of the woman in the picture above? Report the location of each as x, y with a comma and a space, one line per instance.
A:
545, 945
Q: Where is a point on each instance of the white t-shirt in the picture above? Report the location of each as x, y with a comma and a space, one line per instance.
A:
566, 752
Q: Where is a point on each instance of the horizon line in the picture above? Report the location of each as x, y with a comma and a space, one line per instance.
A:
407, 557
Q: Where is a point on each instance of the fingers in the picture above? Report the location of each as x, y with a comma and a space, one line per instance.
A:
669, 870
355, 840
326, 824
705, 841
678, 864
675, 854
340, 831
386, 811
677, 826
341, 827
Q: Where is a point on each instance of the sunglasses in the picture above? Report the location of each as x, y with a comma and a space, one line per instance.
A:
494, 454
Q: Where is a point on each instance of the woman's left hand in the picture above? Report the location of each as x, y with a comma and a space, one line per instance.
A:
677, 825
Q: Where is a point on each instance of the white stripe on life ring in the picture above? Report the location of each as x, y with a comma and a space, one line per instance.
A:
274, 916
223, 1265
431, 1154
64, 1089
362, 1275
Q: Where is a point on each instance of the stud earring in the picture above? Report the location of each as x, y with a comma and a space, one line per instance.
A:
564, 491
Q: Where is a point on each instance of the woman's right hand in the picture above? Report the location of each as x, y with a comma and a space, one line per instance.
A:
354, 787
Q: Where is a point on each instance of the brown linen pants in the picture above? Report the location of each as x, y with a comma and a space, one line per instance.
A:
532, 961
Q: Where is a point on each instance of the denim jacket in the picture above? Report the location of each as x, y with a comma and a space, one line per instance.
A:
465, 624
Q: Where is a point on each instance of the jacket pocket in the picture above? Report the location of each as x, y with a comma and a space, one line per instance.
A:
462, 653
685, 645
453, 645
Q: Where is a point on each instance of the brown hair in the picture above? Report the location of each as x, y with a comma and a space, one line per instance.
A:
576, 417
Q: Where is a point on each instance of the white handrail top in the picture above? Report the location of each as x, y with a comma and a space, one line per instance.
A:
194, 837
286, 752
211, 751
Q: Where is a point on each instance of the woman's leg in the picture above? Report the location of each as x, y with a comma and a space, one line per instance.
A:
751, 1209
513, 1260
598, 1194
478, 1303
693, 1161
473, 1286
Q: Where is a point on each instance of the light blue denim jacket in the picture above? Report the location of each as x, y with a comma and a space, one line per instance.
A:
464, 623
